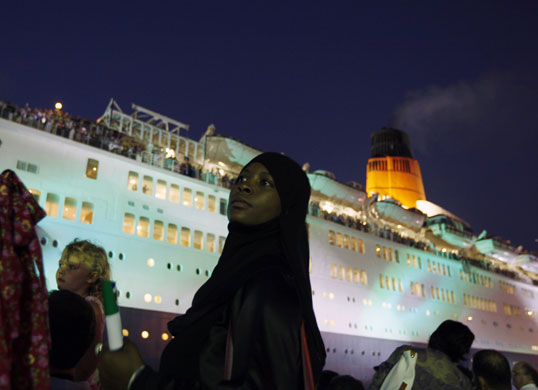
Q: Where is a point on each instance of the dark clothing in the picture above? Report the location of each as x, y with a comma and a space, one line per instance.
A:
261, 287
434, 370
265, 319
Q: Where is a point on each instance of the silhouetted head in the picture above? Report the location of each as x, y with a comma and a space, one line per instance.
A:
491, 370
453, 338
72, 328
325, 378
345, 382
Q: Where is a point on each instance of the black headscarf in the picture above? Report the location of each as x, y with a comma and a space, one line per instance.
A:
280, 244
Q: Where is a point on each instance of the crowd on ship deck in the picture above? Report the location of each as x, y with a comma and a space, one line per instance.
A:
98, 135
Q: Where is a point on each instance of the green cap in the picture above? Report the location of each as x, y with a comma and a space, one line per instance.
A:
111, 306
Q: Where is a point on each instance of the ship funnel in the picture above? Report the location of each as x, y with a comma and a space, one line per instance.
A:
392, 171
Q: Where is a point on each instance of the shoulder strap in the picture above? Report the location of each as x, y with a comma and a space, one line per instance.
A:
229, 354
307, 366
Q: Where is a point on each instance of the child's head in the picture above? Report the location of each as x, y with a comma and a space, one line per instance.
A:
82, 268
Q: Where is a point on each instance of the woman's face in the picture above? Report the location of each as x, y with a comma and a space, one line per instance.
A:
254, 198
74, 276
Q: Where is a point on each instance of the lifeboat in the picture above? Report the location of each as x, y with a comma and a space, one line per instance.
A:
497, 248
390, 210
326, 188
451, 230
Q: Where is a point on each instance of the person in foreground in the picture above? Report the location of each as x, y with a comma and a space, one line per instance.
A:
252, 324
72, 329
437, 365
491, 370
524, 376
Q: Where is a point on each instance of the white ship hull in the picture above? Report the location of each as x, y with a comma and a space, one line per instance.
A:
361, 322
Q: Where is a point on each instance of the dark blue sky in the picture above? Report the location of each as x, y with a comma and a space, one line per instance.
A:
313, 80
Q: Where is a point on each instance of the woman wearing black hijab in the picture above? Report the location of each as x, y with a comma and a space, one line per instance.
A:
252, 324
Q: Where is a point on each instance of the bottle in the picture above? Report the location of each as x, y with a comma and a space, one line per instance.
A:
112, 316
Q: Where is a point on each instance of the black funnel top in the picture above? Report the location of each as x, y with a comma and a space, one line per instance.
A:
390, 142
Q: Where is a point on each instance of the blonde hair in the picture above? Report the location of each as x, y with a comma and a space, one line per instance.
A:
94, 257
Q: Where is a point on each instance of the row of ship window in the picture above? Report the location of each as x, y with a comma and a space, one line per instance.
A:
392, 255
440, 294
473, 277
143, 228
389, 254
507, 287
346, 242
162, 191
352, 275
175, 194
70, 208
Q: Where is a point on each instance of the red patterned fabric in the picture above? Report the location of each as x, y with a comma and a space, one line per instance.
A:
24, 330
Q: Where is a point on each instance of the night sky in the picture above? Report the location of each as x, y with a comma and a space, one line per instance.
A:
310, 79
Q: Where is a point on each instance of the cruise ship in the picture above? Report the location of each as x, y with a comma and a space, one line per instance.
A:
387, 266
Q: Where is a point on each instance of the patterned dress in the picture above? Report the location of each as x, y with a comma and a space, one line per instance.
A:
24, 332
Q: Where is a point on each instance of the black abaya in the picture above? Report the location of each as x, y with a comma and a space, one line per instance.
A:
261, 290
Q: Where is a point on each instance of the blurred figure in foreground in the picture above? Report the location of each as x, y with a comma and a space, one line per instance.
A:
524, 376
72, 329
24, 329
324, 379
491, 370
437, 365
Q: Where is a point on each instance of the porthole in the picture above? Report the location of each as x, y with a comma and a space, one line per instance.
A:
179, 267
169, 265
43, 241
373, 353
127, 295
207, 273
125, 332
110, 254
177, 302
334, 350
363, 352
328, 350
55, 243
144, 334
121, 256
197, 271
164, 336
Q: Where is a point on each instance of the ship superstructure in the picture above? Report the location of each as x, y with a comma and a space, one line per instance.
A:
384, 271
